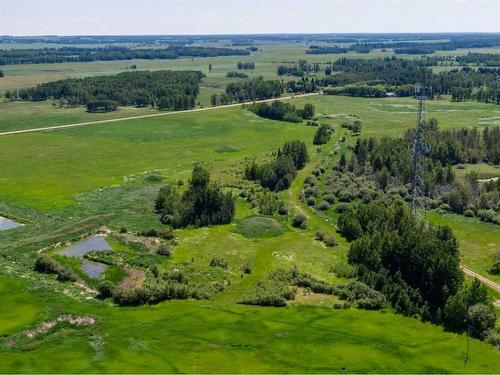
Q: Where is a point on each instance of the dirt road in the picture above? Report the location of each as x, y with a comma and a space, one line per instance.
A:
97, 122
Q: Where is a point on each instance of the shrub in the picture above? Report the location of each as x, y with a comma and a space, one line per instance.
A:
346, 196
481, 318
123, 230
166, 234
303, 226
319, 235
246, 268
343, 269
298, 220
486, 215
312, 191
105, 289
330, 198
495, 269
269, 293
445, 207
311, 201
469, 213
283, 210
219, 262
361, 294
45, 264
493, 337
323, 206
66, 274
344, 207
164, 250
310, 180
330, 241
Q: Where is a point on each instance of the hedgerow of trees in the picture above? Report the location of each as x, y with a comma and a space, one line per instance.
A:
236, 75
298, 70
74, 54
246, 65
163, 89
202, 204
281, 111
248, 90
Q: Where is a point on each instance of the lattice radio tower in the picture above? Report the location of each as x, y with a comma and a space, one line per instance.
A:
419, 151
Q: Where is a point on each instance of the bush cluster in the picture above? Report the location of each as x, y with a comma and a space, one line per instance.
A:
45, 264
201, 204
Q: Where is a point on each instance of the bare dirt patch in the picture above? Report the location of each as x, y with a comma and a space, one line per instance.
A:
82, 320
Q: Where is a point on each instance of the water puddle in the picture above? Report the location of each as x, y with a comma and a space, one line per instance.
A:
8, 224
93, 270
79, 249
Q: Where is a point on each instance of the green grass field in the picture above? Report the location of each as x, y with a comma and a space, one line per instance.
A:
65, 183
183, 336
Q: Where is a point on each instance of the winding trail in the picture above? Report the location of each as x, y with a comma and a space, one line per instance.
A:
98, 122
489, 283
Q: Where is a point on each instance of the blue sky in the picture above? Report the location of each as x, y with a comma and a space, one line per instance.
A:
94, 17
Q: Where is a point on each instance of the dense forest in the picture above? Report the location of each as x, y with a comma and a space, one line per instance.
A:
377, 77
74, 54
416, 266
163, 89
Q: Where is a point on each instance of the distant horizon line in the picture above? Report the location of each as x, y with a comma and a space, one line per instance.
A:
253, 34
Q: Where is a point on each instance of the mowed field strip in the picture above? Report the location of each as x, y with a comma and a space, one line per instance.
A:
97, 122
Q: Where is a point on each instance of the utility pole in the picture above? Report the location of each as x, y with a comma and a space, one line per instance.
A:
419, 151
468, 345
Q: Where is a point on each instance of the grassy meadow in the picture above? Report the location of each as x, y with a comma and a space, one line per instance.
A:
66, 183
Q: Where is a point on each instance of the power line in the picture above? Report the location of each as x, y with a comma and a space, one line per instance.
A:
419, 151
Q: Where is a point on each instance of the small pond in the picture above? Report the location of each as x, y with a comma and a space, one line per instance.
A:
95, 243
79, 249
93, 269
8, 224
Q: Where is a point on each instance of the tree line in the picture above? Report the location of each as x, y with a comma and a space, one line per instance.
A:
377, 77
163, 89
281, 111
74, 54
248, 90
410, 47
246, 65
298, 70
